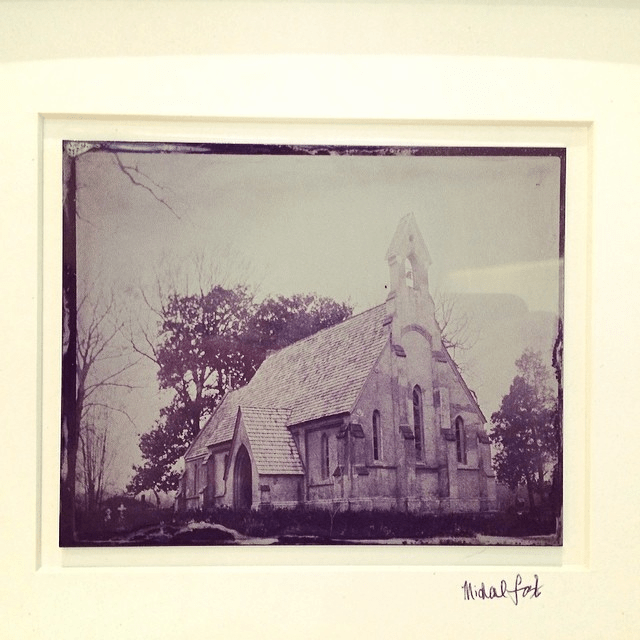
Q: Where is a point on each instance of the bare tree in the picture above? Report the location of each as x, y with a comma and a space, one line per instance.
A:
101, 360
102, 356
196, 273
458, 333
140, 179
86, 356
96, 456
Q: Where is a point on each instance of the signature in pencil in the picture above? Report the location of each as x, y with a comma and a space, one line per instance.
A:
516, 592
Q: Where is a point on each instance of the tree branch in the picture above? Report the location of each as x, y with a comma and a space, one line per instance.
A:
131, 172
103, 405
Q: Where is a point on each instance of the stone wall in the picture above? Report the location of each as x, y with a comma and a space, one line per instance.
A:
280, 491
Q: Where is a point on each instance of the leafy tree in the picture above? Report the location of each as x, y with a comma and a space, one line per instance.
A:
281, 321
208, 344
523, 428
557, 484
200, 356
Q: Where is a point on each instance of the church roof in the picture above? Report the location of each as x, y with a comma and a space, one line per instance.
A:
316, 377
272, 446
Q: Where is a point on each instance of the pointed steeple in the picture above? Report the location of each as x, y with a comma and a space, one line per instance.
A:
408, 257
409, 301
408, 242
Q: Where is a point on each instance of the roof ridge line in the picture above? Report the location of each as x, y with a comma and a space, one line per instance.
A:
255, 406
468, 392
333, 326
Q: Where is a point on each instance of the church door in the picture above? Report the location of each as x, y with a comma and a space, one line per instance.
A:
242, 485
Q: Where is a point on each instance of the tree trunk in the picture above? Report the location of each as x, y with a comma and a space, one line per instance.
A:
531, 494
91, 496
541, 480
68, 497
539, 463
70, 426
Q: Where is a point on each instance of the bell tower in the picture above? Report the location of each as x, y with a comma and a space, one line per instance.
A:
409, 301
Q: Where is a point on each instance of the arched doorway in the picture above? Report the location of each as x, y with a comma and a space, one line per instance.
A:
242, 485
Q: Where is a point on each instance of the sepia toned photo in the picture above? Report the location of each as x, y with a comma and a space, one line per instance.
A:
290, 345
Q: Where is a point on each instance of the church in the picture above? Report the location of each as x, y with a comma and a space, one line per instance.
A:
371, 413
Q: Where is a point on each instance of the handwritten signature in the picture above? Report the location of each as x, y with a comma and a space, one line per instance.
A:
516, 594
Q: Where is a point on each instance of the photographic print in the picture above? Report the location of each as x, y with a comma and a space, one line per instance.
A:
290, 344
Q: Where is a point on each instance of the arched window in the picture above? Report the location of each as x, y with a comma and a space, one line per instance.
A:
408, 274
324, 455
417, 421
195, 478
377, 439
461, 448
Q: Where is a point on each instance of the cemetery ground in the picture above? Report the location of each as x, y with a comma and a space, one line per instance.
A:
127, 522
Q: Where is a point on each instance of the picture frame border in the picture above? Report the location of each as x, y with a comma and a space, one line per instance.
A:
291, 131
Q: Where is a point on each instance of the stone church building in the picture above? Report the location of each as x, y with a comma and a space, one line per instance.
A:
369, 414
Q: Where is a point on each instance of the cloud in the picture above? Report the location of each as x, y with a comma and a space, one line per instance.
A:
537, 283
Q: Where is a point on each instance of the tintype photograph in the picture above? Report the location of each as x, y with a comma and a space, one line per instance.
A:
302, 344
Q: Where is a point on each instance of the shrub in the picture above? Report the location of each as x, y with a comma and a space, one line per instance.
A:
318, 526
372, 525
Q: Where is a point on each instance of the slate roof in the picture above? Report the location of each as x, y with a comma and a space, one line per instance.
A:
317, 377
272, 446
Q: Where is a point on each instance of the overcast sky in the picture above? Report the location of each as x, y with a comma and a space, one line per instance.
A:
292, 224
